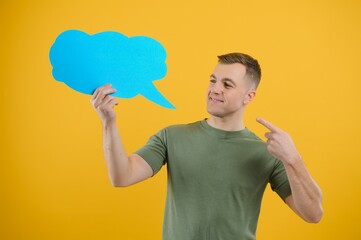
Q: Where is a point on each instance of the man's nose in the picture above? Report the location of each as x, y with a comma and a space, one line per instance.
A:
217, 88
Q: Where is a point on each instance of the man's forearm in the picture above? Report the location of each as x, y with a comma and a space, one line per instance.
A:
306, 194
115, 156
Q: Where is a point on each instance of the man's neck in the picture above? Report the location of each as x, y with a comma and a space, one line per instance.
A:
226, 124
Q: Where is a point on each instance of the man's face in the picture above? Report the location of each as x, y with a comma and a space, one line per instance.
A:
228, 91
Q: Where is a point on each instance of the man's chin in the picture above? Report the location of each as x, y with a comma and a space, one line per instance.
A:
215, 113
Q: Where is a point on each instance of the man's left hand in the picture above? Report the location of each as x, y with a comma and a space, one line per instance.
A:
279, 143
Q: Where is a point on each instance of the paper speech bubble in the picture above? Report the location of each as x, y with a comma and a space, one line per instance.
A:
84, 62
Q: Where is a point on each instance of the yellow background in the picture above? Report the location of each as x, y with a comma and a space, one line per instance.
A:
53, 179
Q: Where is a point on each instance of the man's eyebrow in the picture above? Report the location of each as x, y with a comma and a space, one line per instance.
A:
224, 79
229, 80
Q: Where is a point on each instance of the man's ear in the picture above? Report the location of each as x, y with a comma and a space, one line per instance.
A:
251, 94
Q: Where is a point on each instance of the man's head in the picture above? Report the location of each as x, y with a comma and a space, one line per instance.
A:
232, 85
253, 70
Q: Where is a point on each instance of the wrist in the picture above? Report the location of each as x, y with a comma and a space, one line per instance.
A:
109, 123
293, 160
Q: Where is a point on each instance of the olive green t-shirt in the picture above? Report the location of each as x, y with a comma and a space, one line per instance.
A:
216, 180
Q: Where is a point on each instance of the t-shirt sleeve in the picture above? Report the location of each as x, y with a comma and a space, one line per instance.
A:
279, 181
154, 152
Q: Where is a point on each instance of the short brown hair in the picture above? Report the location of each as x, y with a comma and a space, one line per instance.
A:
253, 70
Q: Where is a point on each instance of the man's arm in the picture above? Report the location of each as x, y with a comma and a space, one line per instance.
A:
306, 198
123, 170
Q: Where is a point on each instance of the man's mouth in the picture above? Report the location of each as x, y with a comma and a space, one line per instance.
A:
213, 99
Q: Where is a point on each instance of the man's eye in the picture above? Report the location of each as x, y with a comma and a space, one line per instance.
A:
226, 85
213, 81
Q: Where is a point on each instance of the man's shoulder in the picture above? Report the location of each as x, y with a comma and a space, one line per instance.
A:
253, 136
183, 126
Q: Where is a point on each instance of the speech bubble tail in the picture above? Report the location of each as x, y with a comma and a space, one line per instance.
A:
152, 94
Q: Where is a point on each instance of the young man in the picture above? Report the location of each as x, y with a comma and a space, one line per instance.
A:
217, 168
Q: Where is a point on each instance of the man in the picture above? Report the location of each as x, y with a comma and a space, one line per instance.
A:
217, 168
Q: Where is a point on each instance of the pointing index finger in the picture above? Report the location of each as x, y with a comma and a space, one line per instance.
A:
267, 124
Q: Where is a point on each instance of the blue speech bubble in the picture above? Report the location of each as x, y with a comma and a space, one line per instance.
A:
84, 62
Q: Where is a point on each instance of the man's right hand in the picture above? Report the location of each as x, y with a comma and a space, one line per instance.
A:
104, 104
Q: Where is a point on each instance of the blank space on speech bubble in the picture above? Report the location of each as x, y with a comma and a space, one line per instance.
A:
85, 62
